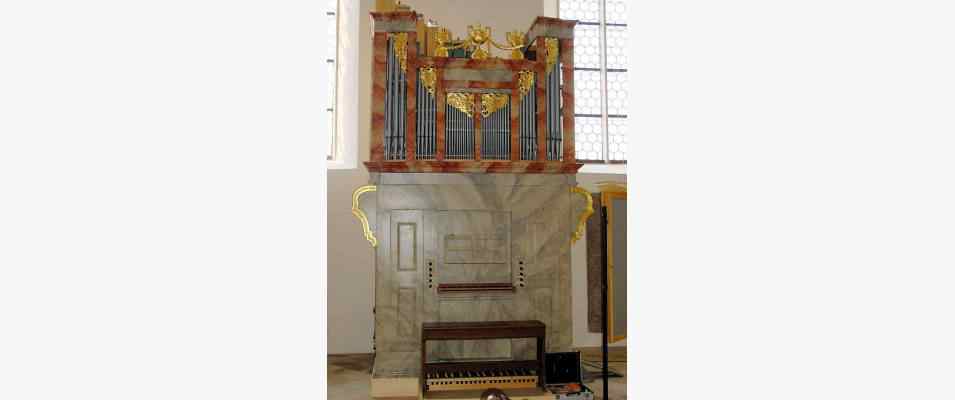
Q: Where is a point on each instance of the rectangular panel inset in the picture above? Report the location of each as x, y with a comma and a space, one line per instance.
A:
407, 314
407, 246
475, 249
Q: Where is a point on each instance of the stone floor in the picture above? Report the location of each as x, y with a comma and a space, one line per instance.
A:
349, 375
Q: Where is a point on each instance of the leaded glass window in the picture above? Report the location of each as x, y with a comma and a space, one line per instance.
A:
600, 78
331, 58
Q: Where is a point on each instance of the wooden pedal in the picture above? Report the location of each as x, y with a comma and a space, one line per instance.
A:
500, 382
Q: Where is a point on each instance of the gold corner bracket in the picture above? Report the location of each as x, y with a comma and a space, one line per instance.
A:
581, 223
356, 210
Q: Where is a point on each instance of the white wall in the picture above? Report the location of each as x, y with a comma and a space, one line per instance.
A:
350, 258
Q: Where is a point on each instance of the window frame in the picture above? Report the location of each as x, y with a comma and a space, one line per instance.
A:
347, 70
604, 72
334, 139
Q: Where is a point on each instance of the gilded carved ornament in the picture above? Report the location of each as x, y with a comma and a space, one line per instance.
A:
463, 102
401, 49
491, 102
429, 78
551, 47
358, 213
479, 42
525, 81
588, 211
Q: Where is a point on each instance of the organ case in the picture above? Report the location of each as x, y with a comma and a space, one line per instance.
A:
472, 203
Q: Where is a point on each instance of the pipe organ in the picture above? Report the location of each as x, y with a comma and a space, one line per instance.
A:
472, 204
443, 105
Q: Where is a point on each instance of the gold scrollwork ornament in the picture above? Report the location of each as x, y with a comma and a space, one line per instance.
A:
358, 213
582, 221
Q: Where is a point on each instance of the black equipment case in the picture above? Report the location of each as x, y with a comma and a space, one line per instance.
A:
562, 370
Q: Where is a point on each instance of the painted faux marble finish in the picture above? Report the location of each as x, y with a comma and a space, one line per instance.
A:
394, 145
435, 229
504, 167
465, 238
551, 27
395, 21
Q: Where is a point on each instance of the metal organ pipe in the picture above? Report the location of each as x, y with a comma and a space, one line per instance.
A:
554, 128
528, 133
396, 98
387, 131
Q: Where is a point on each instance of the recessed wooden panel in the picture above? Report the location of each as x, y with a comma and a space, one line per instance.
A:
475, 249
407, 327
407, 244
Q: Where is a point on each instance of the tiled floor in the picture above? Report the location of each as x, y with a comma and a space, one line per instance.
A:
349, 376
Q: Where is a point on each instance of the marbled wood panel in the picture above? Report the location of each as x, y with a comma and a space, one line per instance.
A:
466, 84
379, 59
401, 272
496, 167
395, 21
406, 246
550, 251
474, 247
542, 302
541, 220
475, 309
485, 64
551, 27
521, 201
407, 328
385, 283
567, 94
488, 75
429, 287
432, 179
396, 364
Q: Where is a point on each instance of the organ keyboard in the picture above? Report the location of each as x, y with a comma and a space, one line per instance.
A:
475, 375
